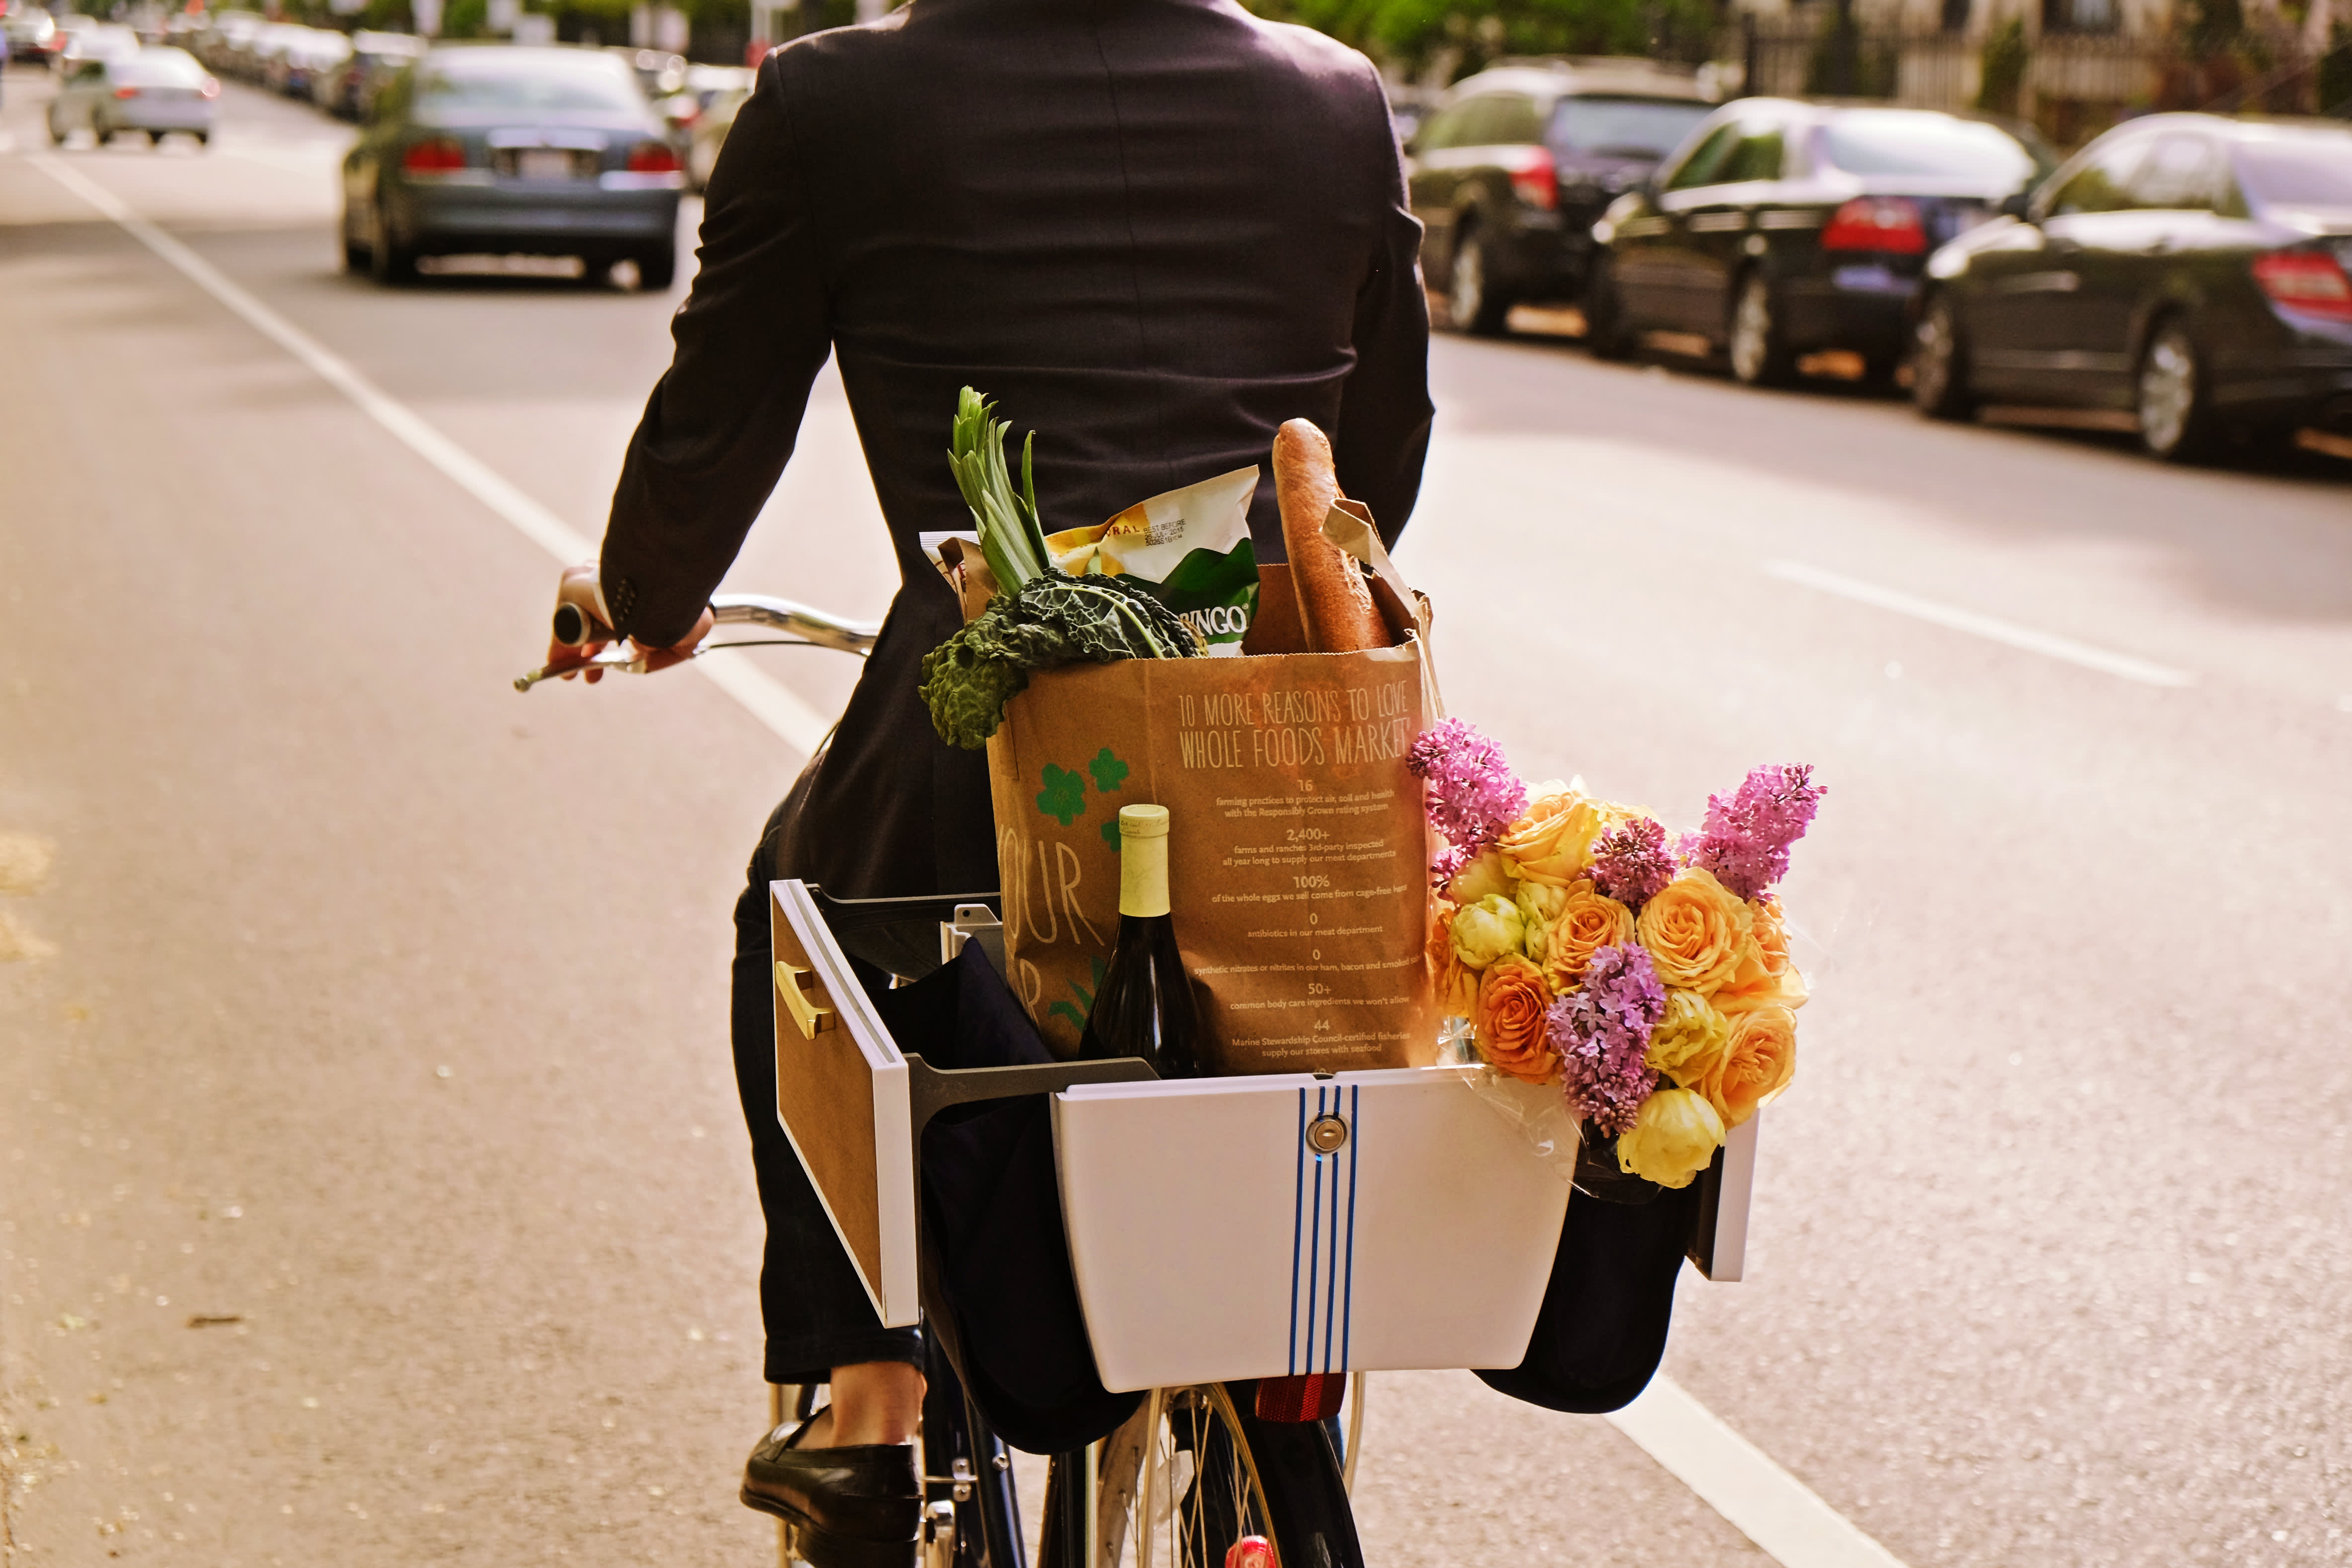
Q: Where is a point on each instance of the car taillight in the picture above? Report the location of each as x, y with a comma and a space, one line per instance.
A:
1877, 222
437, 157
1533, 179
126, 93
211, 88
652, 158
2306, 280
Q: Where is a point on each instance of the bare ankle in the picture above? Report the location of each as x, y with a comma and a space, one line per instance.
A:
874, 1402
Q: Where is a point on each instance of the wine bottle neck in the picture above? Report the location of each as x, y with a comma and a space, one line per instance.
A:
1143, 876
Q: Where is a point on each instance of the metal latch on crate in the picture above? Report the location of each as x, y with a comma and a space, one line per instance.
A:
973, 922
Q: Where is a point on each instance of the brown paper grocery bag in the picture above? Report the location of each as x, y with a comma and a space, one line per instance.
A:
1297, 846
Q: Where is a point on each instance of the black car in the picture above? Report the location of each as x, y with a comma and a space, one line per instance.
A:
2194, 269
1511, 169
1782, 228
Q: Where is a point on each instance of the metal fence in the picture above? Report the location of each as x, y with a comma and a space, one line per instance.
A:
2071, 85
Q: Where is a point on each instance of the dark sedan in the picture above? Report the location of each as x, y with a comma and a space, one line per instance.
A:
495, 150
1510, 170
1782, 228
2195, 270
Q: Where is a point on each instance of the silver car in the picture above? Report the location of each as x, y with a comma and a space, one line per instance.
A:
152, 90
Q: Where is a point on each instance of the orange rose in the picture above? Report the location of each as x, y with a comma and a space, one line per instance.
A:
1455, 988
1698, 931
1756, 1063
1765, 978
1512, 997
1588, 922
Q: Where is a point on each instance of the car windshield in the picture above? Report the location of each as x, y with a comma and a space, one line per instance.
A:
1632, 127
494, 78
1934, 145
2305, 171
159, 68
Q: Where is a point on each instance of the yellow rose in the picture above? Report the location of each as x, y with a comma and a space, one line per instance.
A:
1754, 1064
1549, 844
1765, 978
1538, 907
1488, 929
1689, 1036
1510, 1021
1674, 1134
1484, 874
1698, 931
1455, 987
1586, 922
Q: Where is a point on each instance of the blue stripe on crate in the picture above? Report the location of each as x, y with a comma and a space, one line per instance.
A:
1297, 1213
1313, 1243
1355, 1143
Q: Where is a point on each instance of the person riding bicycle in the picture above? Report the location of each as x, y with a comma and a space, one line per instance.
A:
1153, 230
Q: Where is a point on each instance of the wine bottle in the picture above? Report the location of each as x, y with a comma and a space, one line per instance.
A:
1144, 1006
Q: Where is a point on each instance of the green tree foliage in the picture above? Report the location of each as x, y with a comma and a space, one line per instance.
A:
2335, 73
1413, 35
2002, 72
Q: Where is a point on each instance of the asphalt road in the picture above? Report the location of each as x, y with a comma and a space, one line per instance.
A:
372, 1182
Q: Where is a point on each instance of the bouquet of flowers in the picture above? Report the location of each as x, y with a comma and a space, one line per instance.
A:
1647, 974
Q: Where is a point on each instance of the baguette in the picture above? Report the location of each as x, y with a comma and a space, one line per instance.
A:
1335, 608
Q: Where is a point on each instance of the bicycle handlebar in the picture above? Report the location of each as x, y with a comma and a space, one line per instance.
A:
805, 625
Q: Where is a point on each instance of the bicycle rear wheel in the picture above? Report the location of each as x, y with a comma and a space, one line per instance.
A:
1193, 1482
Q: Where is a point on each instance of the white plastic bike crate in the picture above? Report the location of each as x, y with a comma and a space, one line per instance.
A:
1251, 1227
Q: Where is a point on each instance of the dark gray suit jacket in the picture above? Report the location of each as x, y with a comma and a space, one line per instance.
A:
1152, 229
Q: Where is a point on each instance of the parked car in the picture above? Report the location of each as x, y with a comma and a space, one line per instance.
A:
155, 90
659, 73
350, 86
496, 149
2194, 269
29, 30
225, 41
311, 54
1511, 169
96, 41
1782, 228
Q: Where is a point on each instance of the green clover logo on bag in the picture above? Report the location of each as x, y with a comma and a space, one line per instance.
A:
1108, 770
1064, 798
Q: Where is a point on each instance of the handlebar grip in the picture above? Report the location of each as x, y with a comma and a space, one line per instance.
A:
575, 628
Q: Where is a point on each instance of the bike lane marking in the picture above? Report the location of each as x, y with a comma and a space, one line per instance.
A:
1732, 1475
1951, 617
775, 705
1783, 1516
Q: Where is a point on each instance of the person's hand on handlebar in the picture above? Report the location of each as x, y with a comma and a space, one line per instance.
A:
582, 627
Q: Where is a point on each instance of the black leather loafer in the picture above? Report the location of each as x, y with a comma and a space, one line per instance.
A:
858, 1507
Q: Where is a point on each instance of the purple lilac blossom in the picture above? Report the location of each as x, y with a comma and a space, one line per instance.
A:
1632, 863
1601, 1031
1745, 839
1473, 793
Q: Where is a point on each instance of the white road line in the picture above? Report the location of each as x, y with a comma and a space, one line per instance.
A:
2122, 665
801, 727
1739, 1480
1765, 1502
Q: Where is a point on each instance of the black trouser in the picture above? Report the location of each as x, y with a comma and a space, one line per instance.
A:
817, 1315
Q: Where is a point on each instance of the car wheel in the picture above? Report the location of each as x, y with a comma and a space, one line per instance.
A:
390, 262
1939, 363
2175, 418
102, 134
1472, 304
154, 138
1606, 331
57, 137
657, 268
1759, 353
205, 139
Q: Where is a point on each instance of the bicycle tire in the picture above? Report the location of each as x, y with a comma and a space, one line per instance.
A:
988, 1519
1226, 1475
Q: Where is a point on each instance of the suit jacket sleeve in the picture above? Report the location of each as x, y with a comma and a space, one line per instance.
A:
721, 422
1384, 411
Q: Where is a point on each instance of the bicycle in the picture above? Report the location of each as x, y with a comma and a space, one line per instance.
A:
1196, 1477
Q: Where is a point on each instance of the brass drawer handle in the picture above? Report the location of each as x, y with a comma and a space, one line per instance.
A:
812, 1018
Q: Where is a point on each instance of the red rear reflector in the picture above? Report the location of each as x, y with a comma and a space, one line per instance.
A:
1250, 1551
2307, 281
437, 157
1311, 1396
652, 158
1885, 224
1533, 179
